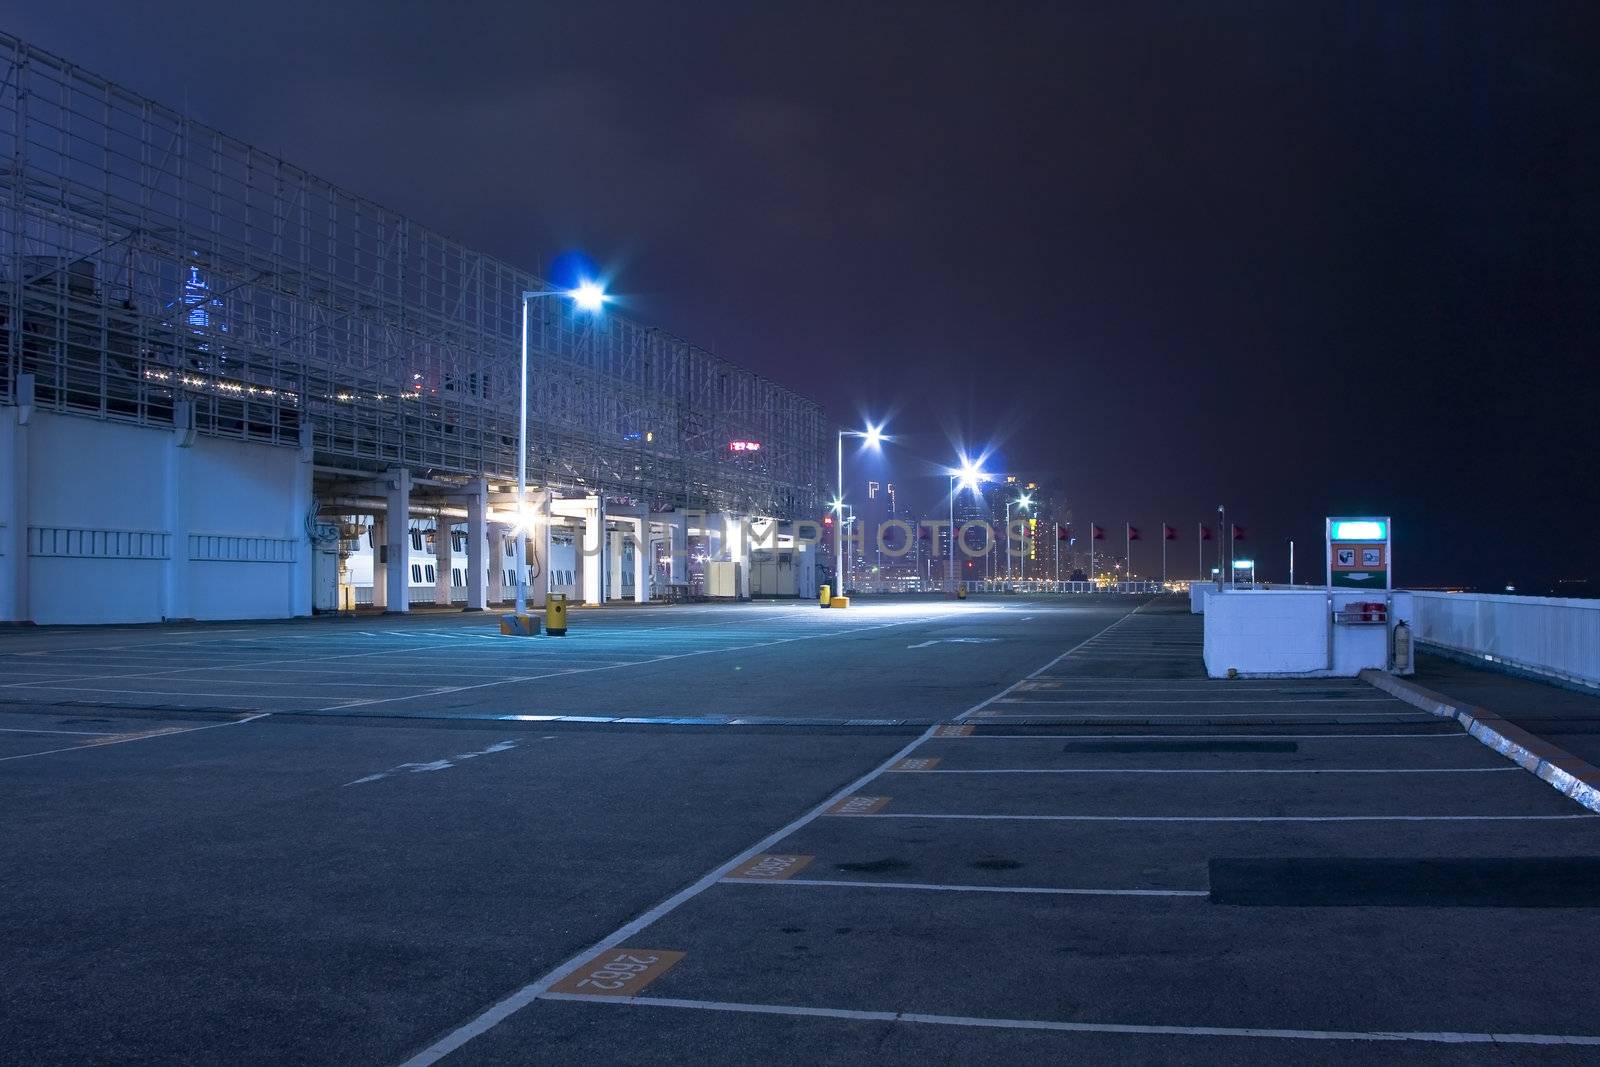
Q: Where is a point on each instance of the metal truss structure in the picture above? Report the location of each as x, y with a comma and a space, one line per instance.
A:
153, 268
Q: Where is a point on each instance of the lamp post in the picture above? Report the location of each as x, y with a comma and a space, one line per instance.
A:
1021, 504
588, 296
874, 437
966, 476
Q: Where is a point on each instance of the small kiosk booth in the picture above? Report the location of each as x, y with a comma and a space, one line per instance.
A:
1338, 631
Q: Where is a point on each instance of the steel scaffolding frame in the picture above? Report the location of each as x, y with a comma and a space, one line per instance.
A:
147, 259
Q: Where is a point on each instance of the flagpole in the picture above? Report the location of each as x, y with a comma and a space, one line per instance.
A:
1091, 553
1057, 526
1200, 551
1163, 551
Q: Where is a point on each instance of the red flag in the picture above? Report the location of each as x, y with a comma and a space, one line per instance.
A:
1238, 533
1063, 533
1205, 533
1133, 532
1168, 532
1099, 534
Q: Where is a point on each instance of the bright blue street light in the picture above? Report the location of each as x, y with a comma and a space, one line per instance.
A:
589, 296
874, 437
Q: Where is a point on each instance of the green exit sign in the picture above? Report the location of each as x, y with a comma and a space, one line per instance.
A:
1360, 530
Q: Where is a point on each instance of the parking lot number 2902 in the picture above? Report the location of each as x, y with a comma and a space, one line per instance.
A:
619, 972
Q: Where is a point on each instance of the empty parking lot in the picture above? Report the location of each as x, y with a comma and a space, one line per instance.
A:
914, 832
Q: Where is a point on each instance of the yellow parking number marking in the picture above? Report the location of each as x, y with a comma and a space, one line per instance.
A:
617, 972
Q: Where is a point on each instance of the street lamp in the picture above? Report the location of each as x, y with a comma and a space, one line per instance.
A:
966, 476
874, 437
588, 296
1021, 503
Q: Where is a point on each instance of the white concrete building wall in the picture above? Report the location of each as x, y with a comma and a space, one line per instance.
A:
1265, 632
113, 523
1286, 632
1547, 635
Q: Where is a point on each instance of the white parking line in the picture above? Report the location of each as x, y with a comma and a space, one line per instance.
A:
139, 737
1214, 700
661, 659
1437, 1037
82, 733
1218, 818
520, 999
1207, 737
1218, 770
1047, 891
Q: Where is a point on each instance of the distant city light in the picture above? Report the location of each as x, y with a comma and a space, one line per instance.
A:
744, 446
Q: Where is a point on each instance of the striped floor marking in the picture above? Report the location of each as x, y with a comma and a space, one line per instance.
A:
857, 1014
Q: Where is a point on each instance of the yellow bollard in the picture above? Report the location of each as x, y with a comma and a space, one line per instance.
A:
555, 615
839, 602
961, 592
824, 595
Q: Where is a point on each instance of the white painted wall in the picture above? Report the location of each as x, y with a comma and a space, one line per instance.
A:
1547, 635
124, 525
1285, 632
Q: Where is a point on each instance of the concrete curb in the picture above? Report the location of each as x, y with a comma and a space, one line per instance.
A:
1564, 772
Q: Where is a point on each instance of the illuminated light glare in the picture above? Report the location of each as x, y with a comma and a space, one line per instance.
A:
1244, 564
589, 296
1360, 530
970, 474
874, 436
1024, 501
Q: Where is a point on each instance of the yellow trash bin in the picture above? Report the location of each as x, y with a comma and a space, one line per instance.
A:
824, 595
555, 615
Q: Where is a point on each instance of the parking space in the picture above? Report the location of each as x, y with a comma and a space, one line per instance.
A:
1253, 877
914, 832
616, 662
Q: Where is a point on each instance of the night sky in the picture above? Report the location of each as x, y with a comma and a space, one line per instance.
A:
1299, 259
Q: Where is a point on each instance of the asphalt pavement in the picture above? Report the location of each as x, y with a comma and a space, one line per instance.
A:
918, 831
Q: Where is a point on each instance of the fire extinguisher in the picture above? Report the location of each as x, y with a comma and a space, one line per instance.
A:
1402, 648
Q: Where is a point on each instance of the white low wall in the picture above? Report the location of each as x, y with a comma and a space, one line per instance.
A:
110, 523
1286, 632
1545, 635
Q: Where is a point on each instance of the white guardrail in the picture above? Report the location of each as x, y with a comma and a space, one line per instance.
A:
1543, 635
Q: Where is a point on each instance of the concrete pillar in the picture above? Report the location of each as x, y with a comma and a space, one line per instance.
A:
14, 511
591, 557
496, 564
380, 569
539, 537
175, 571
399, 577
303, 570
477, 508
614, 563
643, 558
734, 549
443, 534
677, 533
